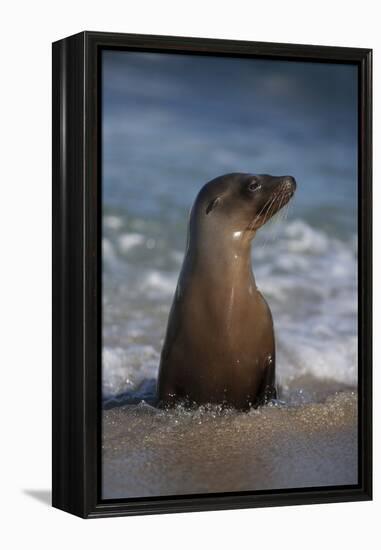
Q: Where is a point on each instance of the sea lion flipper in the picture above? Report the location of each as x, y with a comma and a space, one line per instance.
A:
268, 390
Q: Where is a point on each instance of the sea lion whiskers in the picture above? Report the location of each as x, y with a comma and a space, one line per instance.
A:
276, 207
267, 208
272, 208
251, 225
284, 196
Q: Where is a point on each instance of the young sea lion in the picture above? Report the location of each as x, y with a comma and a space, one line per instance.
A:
219, 346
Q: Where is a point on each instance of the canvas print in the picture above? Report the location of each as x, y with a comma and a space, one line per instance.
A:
229, 274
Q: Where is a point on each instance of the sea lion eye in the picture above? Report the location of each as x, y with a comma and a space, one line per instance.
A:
254, 185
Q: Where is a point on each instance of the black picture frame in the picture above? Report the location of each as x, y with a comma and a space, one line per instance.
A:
77, 272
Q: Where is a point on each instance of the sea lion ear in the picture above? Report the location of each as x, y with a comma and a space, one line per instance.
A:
213, 203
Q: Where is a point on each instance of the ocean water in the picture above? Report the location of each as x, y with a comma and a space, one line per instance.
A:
171, 123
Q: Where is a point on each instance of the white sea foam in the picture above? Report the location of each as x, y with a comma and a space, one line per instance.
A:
113, 222
125, 369
310, 282
108, 251
177, 256
126, 241
302, 238
307, 277
160, 284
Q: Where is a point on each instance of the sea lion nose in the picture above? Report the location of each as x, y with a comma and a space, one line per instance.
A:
290, 182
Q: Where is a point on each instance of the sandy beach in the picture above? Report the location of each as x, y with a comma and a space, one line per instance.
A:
148, 452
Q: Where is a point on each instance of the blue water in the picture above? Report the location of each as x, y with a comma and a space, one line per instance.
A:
173, 122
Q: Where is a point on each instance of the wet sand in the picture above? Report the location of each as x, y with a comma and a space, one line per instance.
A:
148, 452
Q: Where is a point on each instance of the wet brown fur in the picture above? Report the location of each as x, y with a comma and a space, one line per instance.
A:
220, 345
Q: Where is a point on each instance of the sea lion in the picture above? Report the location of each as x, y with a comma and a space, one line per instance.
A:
219, 345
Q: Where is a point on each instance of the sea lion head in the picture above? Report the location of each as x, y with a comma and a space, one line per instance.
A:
242, 202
